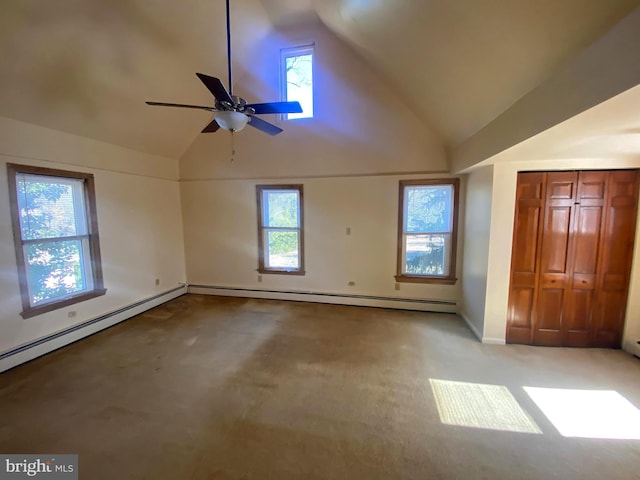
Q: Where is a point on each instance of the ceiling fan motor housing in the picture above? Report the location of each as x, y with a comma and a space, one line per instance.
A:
239, 105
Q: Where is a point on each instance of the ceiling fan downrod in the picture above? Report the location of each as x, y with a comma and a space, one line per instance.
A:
229, 48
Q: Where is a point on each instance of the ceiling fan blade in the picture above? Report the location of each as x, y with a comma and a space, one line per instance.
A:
216, 87
211, 127
181, 105
264, 126
276, 107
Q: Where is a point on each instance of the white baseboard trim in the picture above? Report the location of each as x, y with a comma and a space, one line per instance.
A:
494, 341
632, 347
42, 346
471, 326
476, 332
439, 306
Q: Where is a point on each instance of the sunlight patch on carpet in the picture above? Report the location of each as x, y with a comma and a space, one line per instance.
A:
478, 405
588, 413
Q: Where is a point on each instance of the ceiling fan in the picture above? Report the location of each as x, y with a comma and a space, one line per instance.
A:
233, 113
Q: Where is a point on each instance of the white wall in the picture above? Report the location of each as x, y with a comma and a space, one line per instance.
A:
221, 237
502, 215
477, 226
139, 219
608, 67
361, 126
350, 157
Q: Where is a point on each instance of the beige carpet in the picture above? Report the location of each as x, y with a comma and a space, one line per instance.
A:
480, 406
223, 388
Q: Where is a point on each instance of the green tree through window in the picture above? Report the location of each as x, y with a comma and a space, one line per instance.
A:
54, 215
427, 230
47, 212
280, 228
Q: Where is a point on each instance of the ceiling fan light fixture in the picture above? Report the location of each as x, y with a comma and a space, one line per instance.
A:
232, 121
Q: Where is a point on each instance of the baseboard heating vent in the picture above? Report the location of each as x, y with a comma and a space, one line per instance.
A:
427, 305
49, 343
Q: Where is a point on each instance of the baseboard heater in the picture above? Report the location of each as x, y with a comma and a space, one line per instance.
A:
49, 343
439, 306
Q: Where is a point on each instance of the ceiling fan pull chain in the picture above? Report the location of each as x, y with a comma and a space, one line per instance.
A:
233, 147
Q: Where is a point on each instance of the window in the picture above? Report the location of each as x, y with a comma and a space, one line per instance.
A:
297, 79
427, 231
56, 236
280, 229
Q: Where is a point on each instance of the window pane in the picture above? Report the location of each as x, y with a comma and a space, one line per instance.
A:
54, 269
299, 71
428, 208
50, 207
282, 249
281, 209
426, 254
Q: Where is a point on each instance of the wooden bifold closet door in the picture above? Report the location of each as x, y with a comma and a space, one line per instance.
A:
571, 261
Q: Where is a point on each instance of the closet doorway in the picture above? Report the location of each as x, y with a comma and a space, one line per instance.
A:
571, 261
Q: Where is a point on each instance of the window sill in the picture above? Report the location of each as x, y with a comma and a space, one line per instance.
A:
281, 272
301, 119
65, 302
425, 279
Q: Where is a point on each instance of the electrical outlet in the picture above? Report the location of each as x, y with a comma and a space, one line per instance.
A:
259, 278
72, 314
157, 282
348, 230
397, 286
352, 284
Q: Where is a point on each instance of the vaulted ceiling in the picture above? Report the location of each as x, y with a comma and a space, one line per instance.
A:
86, 66
460, 63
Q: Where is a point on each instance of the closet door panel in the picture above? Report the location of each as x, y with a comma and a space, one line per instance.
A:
587, 224
529, 200
617, 253
553, 266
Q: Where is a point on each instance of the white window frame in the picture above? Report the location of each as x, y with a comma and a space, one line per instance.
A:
297, 51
